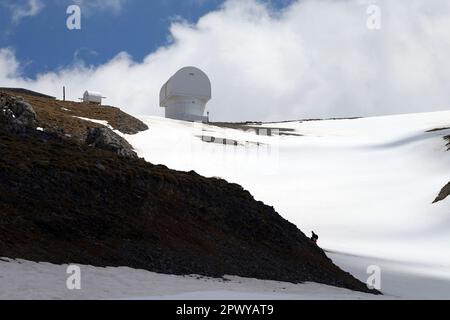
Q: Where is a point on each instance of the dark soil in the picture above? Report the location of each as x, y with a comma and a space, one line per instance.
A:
64, 202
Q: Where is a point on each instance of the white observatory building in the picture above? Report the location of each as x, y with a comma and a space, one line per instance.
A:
92, 97
185, 95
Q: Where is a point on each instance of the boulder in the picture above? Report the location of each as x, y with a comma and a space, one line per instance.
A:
16, 114
105, 138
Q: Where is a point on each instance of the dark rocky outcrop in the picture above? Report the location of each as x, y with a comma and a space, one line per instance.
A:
64, 202
107, 139
445, 192
128, 124
16, 114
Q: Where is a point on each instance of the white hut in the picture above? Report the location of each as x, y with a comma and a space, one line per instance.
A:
185, 95
92, 97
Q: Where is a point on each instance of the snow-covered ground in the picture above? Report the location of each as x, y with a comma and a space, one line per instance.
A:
29, 280
400, 279
366, 186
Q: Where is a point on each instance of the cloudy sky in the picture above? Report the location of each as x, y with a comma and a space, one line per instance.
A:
267, 60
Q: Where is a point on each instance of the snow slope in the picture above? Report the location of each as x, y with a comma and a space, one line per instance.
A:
366, 186
44, 281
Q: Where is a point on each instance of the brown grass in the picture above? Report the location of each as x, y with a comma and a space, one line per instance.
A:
61, 116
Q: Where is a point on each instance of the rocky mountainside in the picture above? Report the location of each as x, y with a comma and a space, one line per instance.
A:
63, 201
52, 116
70, 118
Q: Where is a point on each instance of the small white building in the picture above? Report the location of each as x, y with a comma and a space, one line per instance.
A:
92, 97
185, 95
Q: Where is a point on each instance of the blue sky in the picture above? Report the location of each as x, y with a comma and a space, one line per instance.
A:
43, 43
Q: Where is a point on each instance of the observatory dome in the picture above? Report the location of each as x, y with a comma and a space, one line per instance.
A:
186, 94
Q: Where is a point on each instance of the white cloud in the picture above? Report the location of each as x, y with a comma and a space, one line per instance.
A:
316, 58
23, 9
9, 66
